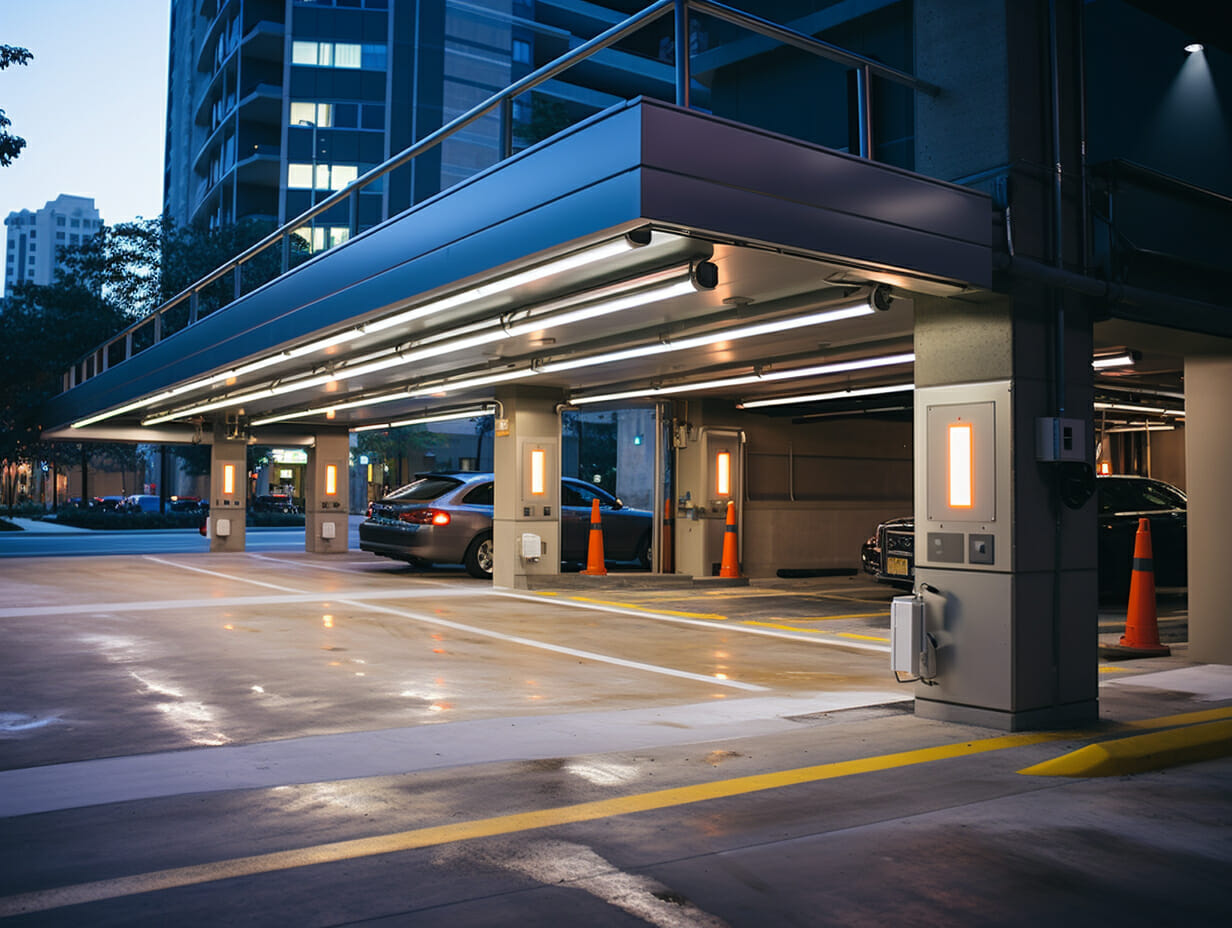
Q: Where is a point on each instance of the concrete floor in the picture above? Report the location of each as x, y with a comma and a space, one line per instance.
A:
297, 740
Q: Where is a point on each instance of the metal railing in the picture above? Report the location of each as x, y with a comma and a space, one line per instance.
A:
100, 359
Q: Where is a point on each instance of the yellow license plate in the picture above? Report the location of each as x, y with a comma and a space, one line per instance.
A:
896, 566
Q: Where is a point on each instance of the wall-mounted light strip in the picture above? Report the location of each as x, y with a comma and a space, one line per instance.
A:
1141, 428
712, 338
640, 291
600, 252
818, 370
475, 413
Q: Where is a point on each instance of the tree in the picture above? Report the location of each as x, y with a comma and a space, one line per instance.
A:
10, 145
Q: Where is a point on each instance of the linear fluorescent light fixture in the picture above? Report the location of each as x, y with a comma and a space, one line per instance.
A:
1119, 359
425, 419
823, 397
631, 241
712, 338
640, 291
1134, 407
818, 370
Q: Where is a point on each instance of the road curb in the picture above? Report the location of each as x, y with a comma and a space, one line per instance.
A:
1142, 753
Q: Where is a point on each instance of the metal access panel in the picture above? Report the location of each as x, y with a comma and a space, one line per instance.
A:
963, 439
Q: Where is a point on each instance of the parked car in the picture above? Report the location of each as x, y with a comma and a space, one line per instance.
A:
889, 554
274, 502
108, 502
446, 518
187, 504
139, 503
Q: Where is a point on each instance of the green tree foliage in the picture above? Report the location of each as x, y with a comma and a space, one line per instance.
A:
10, 145
103, 285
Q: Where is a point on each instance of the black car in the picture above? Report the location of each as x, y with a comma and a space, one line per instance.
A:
889, 555
446, 518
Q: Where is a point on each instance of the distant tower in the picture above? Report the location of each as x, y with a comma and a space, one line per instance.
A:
35, 239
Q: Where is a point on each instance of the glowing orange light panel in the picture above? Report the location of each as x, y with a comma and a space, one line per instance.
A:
722, 473
228, 478
962, 466
538, 472
331, 479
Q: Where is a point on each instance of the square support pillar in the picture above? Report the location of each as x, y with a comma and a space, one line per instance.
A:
526, 507
1208, 448
228, 491
1014, 615
327, 493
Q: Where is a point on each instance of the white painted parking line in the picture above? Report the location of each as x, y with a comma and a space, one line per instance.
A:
555, 648
705, 623
214, 573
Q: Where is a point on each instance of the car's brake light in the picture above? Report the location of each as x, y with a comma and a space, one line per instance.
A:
424, 517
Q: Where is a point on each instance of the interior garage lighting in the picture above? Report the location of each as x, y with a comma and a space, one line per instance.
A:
767, 376
823, 397
649, 288
1194, 47
475, 413
1133, 407
1142, 428
727, 335
610, 249
1120, 359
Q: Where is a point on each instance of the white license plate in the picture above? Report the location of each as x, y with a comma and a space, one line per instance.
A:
896, 566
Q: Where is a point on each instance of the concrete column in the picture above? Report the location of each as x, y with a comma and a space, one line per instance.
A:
1016, 637
327, 493
700, 507
228, 491
523, 507
1208, 448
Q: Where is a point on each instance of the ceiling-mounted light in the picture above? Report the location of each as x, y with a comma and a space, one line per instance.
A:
1116, 359
711, 338
819, 370
1134, 407
428, 418
639, 291
1144, 427
824, 397
1194, 47
638, 238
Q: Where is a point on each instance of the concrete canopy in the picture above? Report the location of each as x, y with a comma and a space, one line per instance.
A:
792, 229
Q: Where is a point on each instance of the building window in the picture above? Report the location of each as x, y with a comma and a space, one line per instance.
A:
521, 51
320, 176
320, 115
59, 236
321, 238
326, 54
76, 223
59, 220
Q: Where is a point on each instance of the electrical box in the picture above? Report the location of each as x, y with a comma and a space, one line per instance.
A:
532, 546
222, 528
1060, 439
906, 634
328, 529
963, 433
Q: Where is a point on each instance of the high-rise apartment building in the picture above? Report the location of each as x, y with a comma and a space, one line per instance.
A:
35, 238
275, 104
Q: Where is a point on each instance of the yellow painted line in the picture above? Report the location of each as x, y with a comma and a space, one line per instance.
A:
1111, 669
1184, 718
831, 618
861, 637
641, 607
1141, 753
80, 893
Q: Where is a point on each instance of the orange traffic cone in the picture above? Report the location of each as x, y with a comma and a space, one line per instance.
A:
594, 550
1141, 628
728, 566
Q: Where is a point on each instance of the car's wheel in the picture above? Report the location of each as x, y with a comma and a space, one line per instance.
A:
643, 552
480, 557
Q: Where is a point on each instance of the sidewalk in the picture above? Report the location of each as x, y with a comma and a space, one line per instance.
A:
36, 527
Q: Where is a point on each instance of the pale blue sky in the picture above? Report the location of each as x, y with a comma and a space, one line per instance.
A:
91, 105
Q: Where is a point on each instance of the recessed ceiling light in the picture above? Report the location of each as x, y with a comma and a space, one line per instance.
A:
1193, 47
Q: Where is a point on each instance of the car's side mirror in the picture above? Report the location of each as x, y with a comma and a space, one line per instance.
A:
618, 504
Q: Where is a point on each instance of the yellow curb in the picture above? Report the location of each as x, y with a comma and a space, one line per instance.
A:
1141, 753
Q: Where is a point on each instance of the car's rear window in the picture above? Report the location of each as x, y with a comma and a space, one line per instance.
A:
425, 488
480, 496
1137, 496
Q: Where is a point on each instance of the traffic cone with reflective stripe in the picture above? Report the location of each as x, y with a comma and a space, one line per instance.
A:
594, 550
728, 566
1141, 625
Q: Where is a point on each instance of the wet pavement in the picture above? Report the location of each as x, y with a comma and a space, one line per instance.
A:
288, 739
